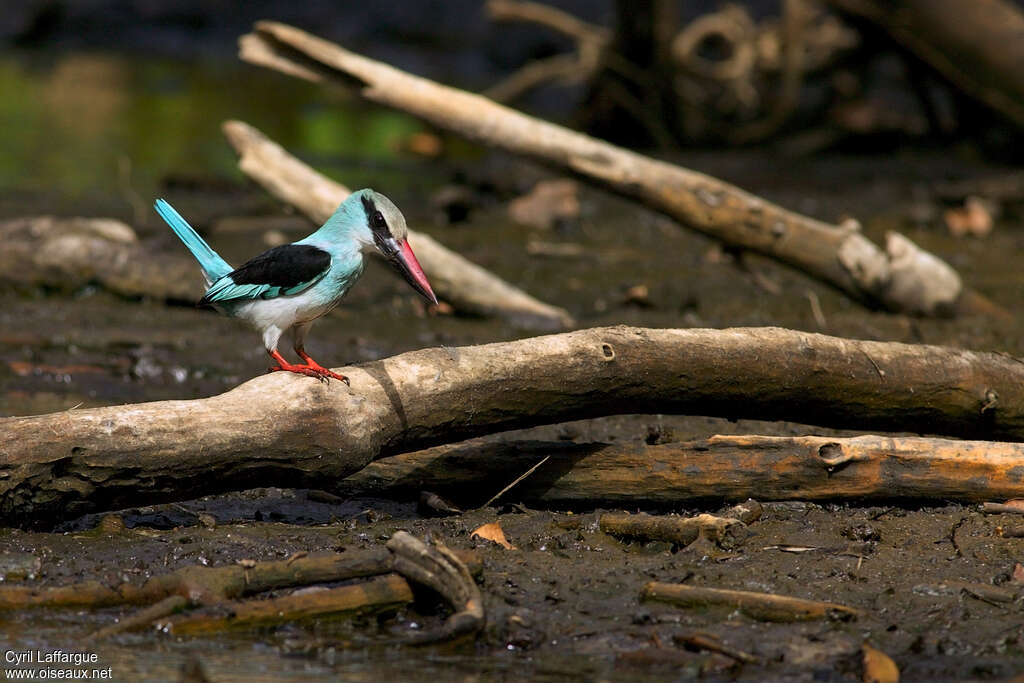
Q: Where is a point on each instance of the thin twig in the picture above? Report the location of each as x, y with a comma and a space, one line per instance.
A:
819, 316
521, 477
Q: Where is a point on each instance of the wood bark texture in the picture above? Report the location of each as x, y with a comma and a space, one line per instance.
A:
901, 277
286, 430
720, 468
465, 285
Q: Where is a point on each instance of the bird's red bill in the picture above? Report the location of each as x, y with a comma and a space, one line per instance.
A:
414, 273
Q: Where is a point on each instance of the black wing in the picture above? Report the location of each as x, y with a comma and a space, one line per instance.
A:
288, 269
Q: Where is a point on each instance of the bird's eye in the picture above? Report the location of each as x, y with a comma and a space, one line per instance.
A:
378, 222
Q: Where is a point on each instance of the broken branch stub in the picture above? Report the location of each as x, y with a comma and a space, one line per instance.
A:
835, 254
289, 431
467, 286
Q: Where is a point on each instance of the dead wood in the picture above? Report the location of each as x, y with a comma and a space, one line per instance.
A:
286, 431
70, 253
467, 286
200, 585
1002, 509
204, 585
723, 530
367, 597
902, 277
760, 606
711, 643
719, 468
977, 44
437, 567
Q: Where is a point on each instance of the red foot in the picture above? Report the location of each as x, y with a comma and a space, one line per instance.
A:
311, 369
319, 368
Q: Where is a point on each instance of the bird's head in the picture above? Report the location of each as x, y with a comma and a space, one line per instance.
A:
385, 230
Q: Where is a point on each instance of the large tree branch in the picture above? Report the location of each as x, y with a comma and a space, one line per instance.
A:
901, 278
465, 285
289, 430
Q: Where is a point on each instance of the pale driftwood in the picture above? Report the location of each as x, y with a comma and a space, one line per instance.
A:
761, 606
978, 46
720, 468
70, 253
287, 430
901, 277
465, 285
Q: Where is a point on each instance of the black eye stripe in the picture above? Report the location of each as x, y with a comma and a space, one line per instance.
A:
374, 218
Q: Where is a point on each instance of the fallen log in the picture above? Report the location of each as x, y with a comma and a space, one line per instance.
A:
760, 606
902, 277
978, 45
465, 285
720, 468
70, 253
287, 431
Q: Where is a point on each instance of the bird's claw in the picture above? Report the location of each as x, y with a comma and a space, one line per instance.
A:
320, 373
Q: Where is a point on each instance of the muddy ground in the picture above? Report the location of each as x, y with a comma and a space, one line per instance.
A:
564, 603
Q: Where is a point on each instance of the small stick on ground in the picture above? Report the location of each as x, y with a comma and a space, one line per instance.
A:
384, 592
1002, 509
760, 606
679, 530
524, 475
704, 641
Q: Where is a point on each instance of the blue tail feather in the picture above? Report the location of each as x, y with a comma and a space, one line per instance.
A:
214, 267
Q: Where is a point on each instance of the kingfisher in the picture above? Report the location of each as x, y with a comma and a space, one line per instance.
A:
290, 286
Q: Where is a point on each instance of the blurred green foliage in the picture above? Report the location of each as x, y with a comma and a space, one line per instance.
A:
91, 122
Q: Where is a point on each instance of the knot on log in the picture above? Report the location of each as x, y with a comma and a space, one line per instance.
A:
833, 455
608, 351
